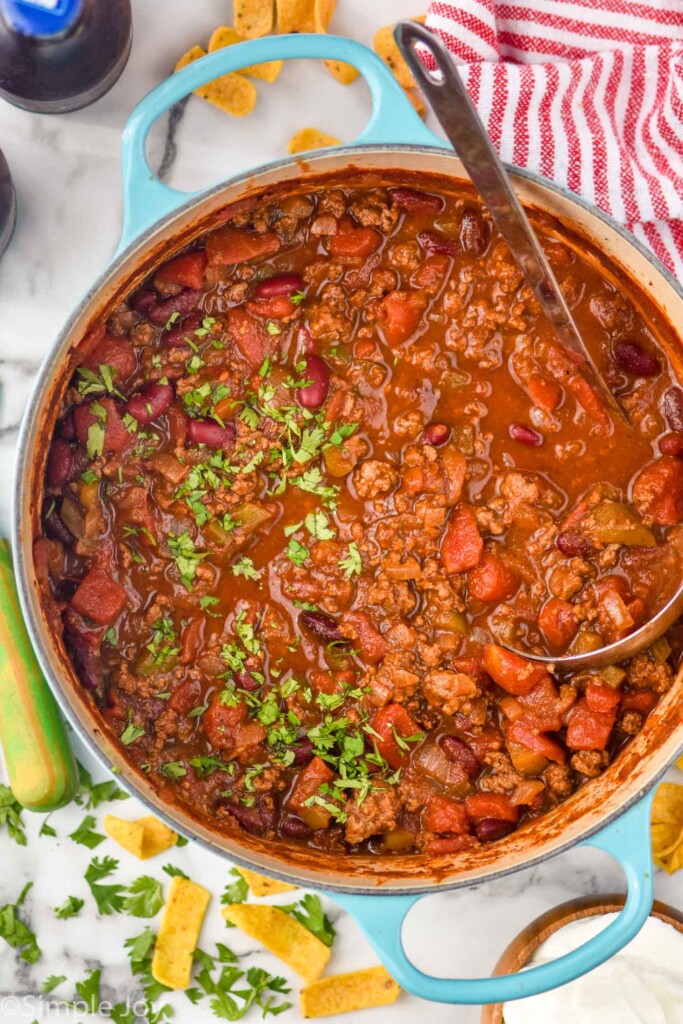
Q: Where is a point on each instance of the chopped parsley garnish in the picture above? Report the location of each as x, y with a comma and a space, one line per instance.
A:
94, 443
245, 567
109, 898
173, 770
162, 646
17, 934
131, 733
91, 383
10, 815
71, 907
352, 564
52, 982
85, 835
186, 557
145, 897
309, 912
318, 525
207, 602
296, 552
88, 991
237, 891
205, 765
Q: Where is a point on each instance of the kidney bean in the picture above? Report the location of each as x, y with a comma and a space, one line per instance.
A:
313, 395
246, 681
572, 544
282, 284
303, 751
210, 433
525, 435
255, 820
459, 753
431, 242
151, 403
633, 358
84, 653
67, 428
322, 626
673, 408
54, 525
414, 199
60, 463
160, 313
143, 300
671, 444
436, 434
473, 237
489, 829
176, 336
295, 828
304, 339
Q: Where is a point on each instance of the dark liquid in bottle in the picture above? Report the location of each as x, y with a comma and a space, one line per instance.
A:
8, 208
60, 55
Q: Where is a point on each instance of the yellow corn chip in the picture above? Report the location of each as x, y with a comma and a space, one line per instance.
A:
261, 885
282, 935
225, 36
179, 932
385, 46
679, 763
128, 834
310, 138
253, 18
668, 804
233, 93
322, 12
665, 838
190, 57
157, 837
343, 993
295, 16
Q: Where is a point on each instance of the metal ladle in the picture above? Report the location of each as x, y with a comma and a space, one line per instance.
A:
450, 101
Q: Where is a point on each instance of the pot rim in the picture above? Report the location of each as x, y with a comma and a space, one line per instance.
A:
174, 815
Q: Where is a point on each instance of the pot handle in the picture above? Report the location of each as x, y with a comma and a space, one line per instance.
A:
393, 119
627, 840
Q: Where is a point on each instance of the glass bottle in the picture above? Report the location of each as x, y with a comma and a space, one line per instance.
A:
8, 206
60, 55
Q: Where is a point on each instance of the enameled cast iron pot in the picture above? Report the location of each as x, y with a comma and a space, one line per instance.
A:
611, 813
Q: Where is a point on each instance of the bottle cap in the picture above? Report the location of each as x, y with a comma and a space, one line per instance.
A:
41, 17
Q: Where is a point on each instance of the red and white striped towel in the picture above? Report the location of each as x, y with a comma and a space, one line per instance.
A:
586, 92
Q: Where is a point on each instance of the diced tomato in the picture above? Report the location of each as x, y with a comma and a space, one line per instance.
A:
491, 579
490, 805
453, 844
332, 682
388, 723
191, 641
462, 545
658, 491
354, 241
601, 697
641, 701
308, 782
178, 422
221, 723
442, 814
515, 674
558, 622
543, 702
369, 641
431, 272
589, 730
99, 598
544, 393
524, 732
186, 270
185, 697
116, 436
400, 315
115, 352
231, 245
251, 337
277, 307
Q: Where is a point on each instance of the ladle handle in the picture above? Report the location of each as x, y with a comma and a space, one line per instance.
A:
627, 839
459, 119
39, 763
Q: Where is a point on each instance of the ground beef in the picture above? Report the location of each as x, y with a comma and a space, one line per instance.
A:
644, 673
589, 762
451, 691
559, 780
374, 477
376, 813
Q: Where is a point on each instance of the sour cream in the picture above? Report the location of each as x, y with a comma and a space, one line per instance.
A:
643, 984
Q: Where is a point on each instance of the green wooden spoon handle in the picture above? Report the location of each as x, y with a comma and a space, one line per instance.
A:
39, 762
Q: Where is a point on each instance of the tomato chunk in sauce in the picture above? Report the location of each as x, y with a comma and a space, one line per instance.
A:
315, 473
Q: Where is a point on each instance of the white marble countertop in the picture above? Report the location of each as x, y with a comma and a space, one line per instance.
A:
66, 173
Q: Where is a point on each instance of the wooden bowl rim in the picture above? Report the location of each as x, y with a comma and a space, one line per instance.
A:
524, 945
